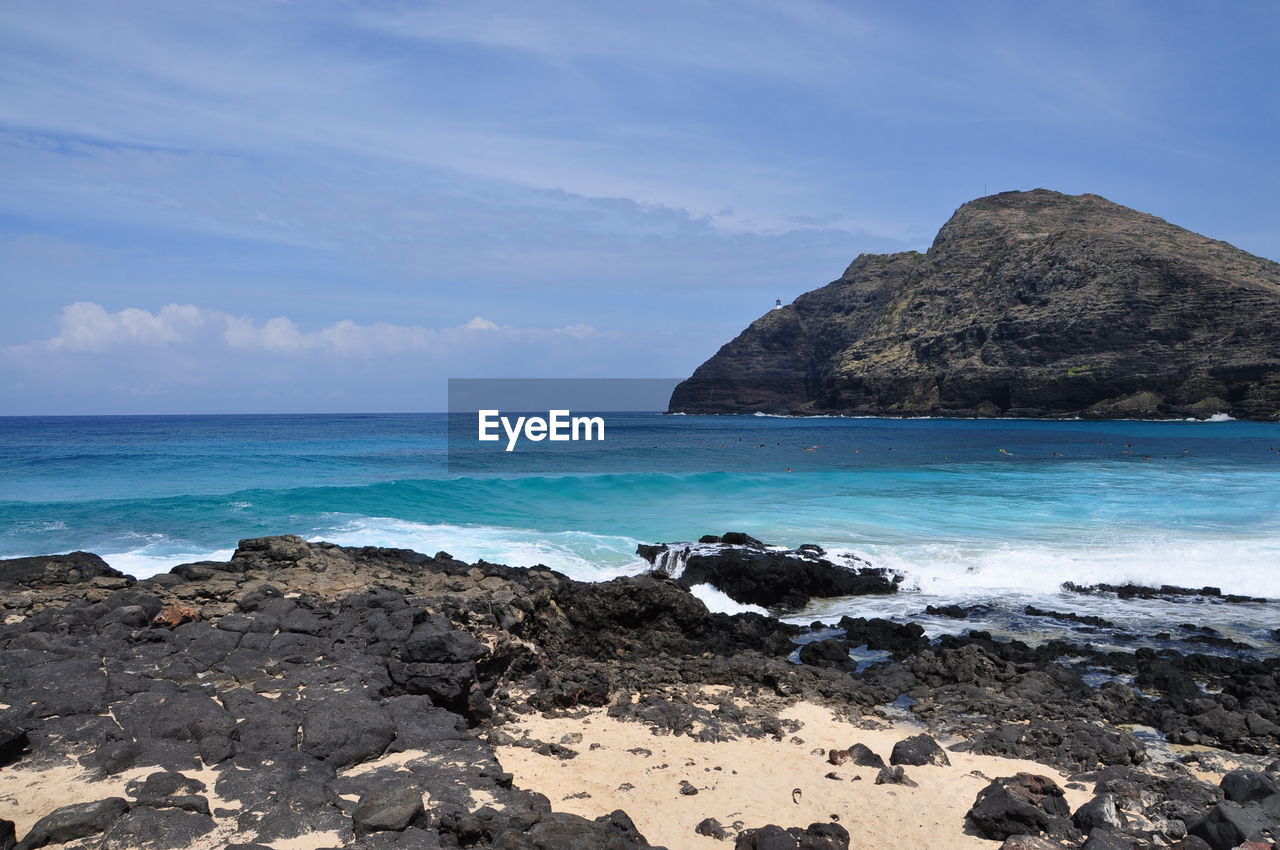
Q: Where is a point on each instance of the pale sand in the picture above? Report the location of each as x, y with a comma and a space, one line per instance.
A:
28, 794
753, 786
756, 779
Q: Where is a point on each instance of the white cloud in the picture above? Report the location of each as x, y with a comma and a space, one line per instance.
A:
86, 326
89, 327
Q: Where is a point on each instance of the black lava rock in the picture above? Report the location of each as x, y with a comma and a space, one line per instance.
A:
48, 570
918, 750
13, 744
1228, 825
1025, 804
826, 653
391, 809
894, 776
818, 836
76, 821
876, 633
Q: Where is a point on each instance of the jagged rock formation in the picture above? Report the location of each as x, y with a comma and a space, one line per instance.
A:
326, 696
1027, 304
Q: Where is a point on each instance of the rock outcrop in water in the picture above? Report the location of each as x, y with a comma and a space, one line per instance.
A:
751, 573
1027, 304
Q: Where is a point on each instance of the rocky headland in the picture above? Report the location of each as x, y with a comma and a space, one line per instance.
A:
1031, 304
307, 695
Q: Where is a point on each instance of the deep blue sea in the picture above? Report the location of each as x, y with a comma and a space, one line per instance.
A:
1001, 510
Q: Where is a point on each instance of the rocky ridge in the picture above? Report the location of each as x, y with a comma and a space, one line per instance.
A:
1034, 304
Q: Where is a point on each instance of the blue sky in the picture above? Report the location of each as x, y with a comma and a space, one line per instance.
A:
335, 206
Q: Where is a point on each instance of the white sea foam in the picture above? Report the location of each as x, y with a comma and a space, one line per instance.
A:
577, 554
1243, 565
1012, 574
719, 602
1237, 564
147, 561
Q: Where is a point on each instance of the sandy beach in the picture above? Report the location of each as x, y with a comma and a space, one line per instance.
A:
625, 765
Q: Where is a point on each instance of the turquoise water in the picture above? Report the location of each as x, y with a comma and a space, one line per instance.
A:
965, 508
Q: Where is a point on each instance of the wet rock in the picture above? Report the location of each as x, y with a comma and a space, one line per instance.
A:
393, 809
753, 575
76, 821
957, 612
826, 653
1070, 617
877, 633
1025, 804
894, 776
1161, 676
918, 750
1164, 591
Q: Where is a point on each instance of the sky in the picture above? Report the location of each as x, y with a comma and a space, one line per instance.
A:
313, 206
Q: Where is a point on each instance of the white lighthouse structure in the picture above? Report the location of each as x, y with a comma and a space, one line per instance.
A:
777, 305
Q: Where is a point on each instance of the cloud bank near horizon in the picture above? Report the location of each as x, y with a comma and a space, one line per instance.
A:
183, 358
89, 327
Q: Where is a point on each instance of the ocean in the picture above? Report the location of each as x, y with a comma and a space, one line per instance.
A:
997, 512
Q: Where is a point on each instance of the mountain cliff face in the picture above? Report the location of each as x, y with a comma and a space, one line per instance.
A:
1027, 304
